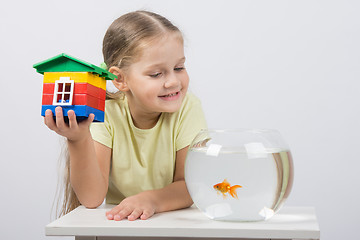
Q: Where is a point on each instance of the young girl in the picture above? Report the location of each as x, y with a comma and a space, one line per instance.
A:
136, 157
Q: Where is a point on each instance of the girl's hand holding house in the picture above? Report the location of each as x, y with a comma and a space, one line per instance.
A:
73, 131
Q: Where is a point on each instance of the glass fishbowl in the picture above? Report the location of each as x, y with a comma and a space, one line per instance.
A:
239, 175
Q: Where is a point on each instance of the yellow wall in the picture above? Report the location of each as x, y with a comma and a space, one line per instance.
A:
83, 77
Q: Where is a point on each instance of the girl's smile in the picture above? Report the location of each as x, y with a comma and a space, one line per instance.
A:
171, 96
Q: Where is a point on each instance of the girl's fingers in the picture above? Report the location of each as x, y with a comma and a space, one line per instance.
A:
118, 213
135, 214
111, 214
72, 119
131, 208
49, 120
146, 214
59, 118
91, 118
71, 130
122, 214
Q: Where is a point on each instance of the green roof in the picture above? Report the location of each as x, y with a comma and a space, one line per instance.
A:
66, 63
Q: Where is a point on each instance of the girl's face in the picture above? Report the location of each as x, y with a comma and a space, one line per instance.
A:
158, 81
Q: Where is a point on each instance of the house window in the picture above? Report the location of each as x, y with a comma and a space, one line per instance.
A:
63, 93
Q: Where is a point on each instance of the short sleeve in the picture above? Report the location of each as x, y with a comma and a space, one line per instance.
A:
102, 133
191, 121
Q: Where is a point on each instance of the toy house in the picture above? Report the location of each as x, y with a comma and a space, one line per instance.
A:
73, 84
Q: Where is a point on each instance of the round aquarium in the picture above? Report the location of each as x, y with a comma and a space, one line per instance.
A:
239, 175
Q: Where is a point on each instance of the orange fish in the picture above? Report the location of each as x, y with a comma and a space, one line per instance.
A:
225, 187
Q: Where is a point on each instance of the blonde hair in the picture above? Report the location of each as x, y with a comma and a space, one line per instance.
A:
123, 44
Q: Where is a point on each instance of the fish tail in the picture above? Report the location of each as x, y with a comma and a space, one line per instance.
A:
233, 190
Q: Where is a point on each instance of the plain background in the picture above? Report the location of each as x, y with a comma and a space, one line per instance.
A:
287, 65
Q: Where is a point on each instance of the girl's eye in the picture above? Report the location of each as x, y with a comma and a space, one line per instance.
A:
155, 75
179, 69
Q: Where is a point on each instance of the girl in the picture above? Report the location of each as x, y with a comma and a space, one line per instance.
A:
136, 157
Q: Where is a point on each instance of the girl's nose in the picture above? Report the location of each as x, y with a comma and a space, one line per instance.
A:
171, 81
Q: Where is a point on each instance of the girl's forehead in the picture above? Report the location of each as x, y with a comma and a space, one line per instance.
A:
163, 47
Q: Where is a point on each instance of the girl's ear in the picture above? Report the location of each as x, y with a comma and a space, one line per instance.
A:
119, 82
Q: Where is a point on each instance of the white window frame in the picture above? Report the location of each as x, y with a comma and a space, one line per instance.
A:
62, 92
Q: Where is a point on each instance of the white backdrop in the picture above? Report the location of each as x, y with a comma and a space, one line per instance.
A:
288, 65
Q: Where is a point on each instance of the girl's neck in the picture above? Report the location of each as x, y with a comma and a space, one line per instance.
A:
143, 120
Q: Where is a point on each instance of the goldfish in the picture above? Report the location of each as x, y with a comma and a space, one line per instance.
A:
225, 187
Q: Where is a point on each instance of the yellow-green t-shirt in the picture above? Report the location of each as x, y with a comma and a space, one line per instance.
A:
144, 159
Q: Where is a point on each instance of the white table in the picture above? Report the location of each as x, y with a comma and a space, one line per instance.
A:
190, 223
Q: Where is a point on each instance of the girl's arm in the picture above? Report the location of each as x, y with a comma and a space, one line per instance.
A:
89, 160
89, 171
175, 195
145, 204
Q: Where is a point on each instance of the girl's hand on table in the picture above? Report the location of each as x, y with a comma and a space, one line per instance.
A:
134, 207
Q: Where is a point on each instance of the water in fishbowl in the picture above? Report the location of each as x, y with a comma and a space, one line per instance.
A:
238, 184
